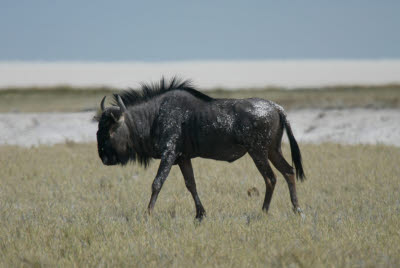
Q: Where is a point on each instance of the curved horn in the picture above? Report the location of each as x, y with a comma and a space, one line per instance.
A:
121, 104
102, 104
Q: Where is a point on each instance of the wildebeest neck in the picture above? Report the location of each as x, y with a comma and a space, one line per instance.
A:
141, 125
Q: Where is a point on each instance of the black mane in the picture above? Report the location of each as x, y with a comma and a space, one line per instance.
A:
148, 91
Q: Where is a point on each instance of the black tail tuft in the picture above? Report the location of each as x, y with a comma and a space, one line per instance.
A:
294, 148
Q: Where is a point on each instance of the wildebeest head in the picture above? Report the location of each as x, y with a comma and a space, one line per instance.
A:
113, 139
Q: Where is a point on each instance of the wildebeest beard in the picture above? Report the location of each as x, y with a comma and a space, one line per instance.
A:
175, 123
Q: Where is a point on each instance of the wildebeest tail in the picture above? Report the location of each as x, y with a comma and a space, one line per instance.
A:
294, 147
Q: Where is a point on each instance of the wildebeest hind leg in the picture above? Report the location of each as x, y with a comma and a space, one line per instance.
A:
287, 171
261, 161
187, 172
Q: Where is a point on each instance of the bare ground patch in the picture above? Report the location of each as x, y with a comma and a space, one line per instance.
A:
347, 126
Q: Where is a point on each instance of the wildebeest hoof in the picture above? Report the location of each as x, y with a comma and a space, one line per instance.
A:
198, 219
265, 210
300, 212
200, 216
149, 212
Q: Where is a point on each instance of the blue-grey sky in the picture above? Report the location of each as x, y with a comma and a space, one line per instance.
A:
198, 30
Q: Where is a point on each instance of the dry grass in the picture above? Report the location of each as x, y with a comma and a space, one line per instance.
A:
53, 99
66, 99
60, 207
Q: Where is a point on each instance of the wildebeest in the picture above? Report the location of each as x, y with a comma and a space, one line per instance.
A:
175, 123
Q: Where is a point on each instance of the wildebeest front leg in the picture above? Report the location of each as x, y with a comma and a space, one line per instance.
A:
162, 174
187, 172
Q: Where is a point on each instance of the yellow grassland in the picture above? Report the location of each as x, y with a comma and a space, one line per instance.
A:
59, 206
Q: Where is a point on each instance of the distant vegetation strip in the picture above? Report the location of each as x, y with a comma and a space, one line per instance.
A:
71, 99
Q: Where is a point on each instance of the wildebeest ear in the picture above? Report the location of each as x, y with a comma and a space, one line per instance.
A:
119, 119
121, 104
